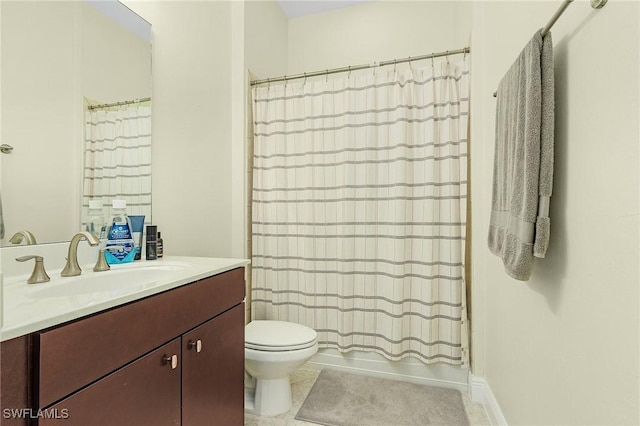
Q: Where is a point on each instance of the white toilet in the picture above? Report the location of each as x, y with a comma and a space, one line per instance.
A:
272, 351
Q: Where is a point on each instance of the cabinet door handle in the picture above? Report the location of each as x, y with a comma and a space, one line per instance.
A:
197, 345
171, 360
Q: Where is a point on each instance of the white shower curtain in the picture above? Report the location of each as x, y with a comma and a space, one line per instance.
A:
117, 163
359, 210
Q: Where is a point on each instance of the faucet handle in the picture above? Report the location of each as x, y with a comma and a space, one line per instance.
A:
39, 275
101, 263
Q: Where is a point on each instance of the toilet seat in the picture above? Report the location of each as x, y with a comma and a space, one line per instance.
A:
278, 336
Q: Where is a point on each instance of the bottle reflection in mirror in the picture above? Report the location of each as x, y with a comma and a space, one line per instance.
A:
137, 227
96, 222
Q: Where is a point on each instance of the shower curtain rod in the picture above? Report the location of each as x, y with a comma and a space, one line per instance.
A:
464, 50
135, 101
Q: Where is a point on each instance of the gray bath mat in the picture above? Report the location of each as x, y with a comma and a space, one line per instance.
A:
343, 399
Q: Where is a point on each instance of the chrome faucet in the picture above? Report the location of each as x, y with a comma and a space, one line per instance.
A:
25, 235
72, 268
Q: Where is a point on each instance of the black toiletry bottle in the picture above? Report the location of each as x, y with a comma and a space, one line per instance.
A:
160, 246
152, 242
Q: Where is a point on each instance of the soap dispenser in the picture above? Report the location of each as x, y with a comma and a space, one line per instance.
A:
120, 245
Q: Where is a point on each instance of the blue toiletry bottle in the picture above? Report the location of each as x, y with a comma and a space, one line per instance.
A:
121, 247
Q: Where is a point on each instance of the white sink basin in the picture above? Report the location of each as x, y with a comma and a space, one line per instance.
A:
118, 281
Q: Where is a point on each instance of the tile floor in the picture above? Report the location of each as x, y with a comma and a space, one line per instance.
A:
301, 383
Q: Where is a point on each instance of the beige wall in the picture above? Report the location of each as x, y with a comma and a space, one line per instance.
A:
191, 127
266, 41
563, 347
377, 31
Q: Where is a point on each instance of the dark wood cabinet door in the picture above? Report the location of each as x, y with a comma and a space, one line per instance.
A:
15, 381
213, 371
143, 393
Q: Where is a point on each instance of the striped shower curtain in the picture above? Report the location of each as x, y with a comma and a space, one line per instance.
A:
117, 157
359, 210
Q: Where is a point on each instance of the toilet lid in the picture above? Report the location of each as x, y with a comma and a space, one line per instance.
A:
267, 335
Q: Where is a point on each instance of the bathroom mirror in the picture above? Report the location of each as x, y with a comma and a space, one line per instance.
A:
58, 56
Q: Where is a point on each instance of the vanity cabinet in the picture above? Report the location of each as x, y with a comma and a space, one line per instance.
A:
175, 358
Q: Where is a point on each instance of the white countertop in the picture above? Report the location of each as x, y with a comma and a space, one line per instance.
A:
31, 307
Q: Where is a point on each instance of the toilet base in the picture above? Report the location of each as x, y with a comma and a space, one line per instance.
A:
271, 397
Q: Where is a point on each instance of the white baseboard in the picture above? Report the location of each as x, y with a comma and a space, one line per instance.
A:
480, 392
476, 389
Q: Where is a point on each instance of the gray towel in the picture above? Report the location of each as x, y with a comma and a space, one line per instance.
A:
523, 160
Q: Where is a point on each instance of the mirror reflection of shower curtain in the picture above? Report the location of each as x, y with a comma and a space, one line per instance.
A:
117, 163
359, 210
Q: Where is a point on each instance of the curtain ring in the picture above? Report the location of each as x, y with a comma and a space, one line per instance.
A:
447, 55
304, 82
326, 77
410, 66
433, 64
349, 75
395, 65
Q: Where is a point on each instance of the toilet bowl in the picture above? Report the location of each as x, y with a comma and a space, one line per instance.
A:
272, 351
